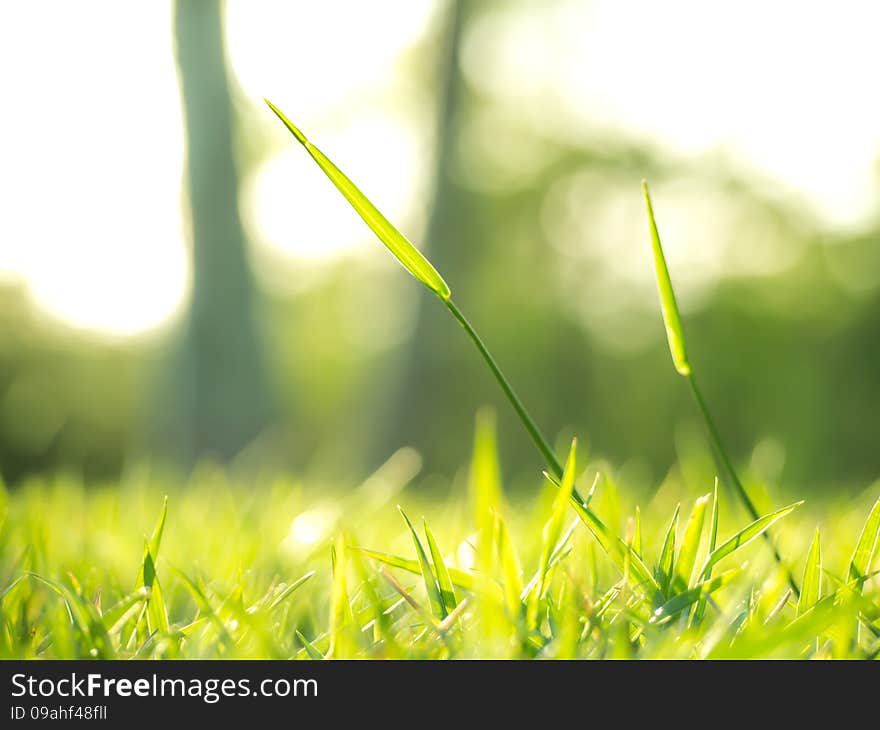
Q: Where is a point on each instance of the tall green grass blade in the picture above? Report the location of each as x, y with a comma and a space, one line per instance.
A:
667, 554
431, 588
745, 536
528, 422
417, 265
675, 337
860, 563
407, 254
720, 454
690, 543
444, 582
668, 306
460, 578
811, 586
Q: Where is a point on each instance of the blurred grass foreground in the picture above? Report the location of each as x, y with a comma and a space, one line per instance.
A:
189, 309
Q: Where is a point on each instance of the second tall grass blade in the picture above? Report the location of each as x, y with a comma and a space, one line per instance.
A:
678, 350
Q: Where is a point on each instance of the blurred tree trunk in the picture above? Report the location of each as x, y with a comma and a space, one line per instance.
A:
216, 398
429, 395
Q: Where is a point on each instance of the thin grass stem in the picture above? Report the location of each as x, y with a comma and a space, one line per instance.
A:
730, 475
530, 425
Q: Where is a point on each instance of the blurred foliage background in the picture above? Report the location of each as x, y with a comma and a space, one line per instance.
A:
178, 282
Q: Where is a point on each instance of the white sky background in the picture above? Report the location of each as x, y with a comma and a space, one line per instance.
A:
91, 149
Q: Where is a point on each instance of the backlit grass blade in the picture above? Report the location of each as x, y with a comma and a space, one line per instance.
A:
550, 535
685, 599
460, 578
675, 338
157, 613
745, 536
407, 254
423, 271
667, 554
637, 533
860, 563
444, 582
286, 593
431, 587
811, 590
690, 543
154, 542
553, 528
668, 306
341, 619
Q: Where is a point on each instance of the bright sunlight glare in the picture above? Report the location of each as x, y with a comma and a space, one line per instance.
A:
91, 156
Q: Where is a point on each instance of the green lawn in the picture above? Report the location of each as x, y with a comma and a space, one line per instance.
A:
275, 568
